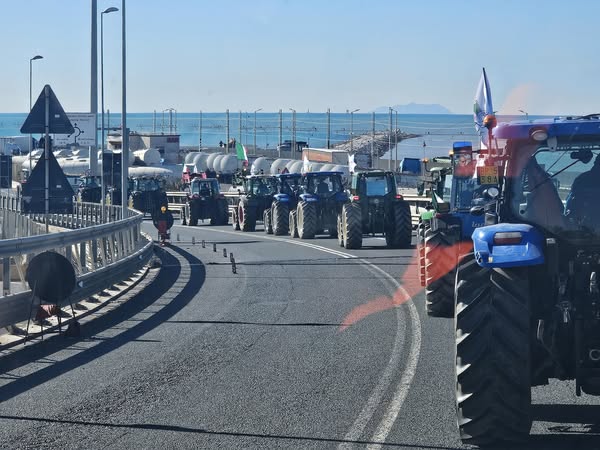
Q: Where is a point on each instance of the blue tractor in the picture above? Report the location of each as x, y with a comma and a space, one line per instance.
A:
319, 205
528, 295
445, 227
276, 218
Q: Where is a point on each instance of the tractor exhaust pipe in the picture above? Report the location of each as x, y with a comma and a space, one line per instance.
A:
594, 354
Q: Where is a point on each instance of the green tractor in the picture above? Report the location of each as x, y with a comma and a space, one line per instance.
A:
375, 207
255, 199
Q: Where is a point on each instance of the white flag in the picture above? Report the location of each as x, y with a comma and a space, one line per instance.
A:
482, 107
351, 163
306, 165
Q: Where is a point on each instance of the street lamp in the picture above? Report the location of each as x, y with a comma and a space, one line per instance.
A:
293, 149
35, 58
106, 11
259, 109
352, 130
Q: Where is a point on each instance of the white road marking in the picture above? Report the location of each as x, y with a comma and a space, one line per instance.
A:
401, 391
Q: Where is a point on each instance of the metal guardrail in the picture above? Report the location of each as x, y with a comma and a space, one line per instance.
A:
103, 249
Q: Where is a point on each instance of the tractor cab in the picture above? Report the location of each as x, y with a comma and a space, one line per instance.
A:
322, 184
205, 187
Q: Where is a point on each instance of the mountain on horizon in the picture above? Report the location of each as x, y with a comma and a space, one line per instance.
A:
415, 108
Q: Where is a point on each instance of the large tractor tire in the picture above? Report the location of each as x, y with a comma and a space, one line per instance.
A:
352, 225
235, 221
399, 232
192, 220
340, 231
280, 218
421, 228
306, 220
267, 222
293, 227
223, 209
493, 354
246, 217
441, 257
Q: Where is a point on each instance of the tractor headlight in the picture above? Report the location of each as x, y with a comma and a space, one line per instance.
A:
492, 192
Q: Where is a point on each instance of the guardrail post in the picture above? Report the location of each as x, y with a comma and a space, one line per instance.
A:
6, 276
82, 256
94, 254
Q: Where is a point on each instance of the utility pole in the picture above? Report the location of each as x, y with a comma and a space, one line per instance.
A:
200, 133
396, 140
153, 122
390, 142
241, 126
227, 128
328, 128
125, 130
373, 141
280, 133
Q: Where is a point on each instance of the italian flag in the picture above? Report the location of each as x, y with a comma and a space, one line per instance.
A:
241, 152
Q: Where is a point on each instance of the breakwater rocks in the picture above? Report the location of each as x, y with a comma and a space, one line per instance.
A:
362, 143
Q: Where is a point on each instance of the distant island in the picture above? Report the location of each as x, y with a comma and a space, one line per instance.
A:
415, 108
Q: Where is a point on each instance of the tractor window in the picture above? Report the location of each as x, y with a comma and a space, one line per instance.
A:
202, 187
262, 186
559, 190
467, 192
377, 186
290, 185
324, 184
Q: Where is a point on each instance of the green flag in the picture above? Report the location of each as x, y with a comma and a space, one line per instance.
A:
241, 152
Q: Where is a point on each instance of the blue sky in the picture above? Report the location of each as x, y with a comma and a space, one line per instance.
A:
191, 55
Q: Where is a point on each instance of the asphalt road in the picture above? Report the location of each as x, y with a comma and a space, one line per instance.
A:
306, 346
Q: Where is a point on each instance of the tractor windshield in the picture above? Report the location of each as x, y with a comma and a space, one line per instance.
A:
324, 184
262, 186
559, 190
202, 187
377, 186
290, 185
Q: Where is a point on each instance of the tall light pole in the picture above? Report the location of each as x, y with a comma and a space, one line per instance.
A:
259, 109
396, 141
102, 139
200, 133
390, 142
125, 130
293, 149
35, 58
280, 133
352, 130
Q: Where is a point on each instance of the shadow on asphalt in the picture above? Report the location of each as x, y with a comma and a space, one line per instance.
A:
200, 431
119, 316
259, 324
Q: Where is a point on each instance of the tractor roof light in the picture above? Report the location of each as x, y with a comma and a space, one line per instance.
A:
539, 135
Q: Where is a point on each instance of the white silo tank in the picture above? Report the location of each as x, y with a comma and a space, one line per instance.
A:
296, 167
200, 162
210, 160
150, 156
217, 162
327, 167
189, 158
315, 167
259, 164
278, 165
229, 164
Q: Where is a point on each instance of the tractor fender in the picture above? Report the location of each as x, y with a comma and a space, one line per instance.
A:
341, 197
309, 198
508, 245
282, 197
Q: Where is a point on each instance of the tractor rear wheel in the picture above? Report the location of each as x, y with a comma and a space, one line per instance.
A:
280, 218
352, 225
306, 216
267, 222
493, 354
235, 221
223, 210
340, 230
293, 227
246, 217
192, 220
399, 231
441, 257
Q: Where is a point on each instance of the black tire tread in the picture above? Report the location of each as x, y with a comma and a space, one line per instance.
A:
352, 225
441, 257
493, 356
280, 218
399, 234
306, 220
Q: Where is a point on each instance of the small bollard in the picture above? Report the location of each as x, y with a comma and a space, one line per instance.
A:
203, 244
224, 253
193, 240
214, 246
178, 237
231, 257
233, 266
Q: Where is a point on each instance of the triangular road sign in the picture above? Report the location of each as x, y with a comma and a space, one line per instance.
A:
36, 120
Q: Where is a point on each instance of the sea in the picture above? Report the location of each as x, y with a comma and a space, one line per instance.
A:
435, 132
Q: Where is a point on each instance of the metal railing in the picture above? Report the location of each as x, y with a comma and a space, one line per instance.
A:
102, 247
